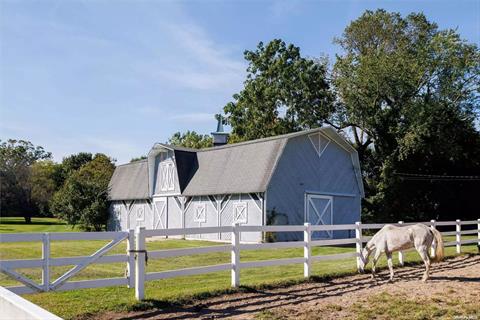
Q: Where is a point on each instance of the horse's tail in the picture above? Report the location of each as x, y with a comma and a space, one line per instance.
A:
439, 254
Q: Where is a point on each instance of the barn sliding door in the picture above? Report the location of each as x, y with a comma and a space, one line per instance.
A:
319, 211
159, 213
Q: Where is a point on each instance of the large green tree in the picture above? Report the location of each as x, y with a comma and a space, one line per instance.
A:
191, 139
283, 92
73, 162
408, 94
44, 179
83, 199
16, 159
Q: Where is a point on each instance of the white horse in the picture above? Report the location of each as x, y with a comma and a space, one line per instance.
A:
392, 238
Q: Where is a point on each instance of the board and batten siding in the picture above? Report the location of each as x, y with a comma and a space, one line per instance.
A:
201, 212
254, 216
161, 186
128, 214
300, 170
174, 211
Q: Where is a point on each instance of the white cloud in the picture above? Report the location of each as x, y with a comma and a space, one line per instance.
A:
196, 61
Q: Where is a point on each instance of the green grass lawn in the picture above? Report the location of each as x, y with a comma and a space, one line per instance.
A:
72, 304
17, 224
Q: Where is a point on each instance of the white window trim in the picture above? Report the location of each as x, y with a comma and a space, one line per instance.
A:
236, 216
140, 212
167, 175
318, 148
203, 208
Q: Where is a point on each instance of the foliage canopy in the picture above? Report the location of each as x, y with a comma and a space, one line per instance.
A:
191, 139
283, 92
83, 199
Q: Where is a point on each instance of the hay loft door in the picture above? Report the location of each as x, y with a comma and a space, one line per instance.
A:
318, 211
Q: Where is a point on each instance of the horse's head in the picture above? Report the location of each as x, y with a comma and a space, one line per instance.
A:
364, 259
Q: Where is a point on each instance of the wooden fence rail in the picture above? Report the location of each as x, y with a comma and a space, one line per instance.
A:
135, 257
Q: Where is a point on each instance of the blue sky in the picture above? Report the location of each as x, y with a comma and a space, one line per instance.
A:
117, 76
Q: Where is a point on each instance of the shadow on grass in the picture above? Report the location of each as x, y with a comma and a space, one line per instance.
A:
21, 220
252, 299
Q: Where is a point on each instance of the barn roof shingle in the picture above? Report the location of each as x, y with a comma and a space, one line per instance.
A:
129, 181
244, 167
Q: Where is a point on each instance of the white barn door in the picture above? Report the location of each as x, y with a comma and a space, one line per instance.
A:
159, 213
319, 211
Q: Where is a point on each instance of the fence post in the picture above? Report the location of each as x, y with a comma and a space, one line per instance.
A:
140, 263
235, 256
358, 245
400, 253
433, 223
131, 258
46, 262
307, 250
478, 228
458, 238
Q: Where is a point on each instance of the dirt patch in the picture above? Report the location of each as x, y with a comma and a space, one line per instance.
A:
453, 289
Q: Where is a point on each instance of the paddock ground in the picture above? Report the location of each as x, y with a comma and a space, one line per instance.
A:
453, 292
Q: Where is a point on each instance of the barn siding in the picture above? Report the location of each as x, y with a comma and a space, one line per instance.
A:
174, 212
210, 215
300, 169
255, 217
125, 215
159, 159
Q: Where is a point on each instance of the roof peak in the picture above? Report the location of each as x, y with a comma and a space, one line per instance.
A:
260, 140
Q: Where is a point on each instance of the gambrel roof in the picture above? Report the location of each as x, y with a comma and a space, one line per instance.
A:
244, 167
130, 181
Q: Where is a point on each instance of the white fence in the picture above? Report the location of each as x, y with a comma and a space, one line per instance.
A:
18, 308
136, 255
80, 263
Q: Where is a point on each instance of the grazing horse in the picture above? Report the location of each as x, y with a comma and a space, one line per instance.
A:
392, 238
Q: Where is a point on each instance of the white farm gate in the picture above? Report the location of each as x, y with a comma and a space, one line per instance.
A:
61, 283
136, 254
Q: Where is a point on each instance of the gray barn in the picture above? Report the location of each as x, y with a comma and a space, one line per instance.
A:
310, 176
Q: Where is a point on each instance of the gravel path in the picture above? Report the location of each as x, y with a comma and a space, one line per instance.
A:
459, 276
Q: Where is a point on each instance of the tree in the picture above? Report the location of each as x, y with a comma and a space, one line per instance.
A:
43, 183
138, 158
74, 162
191, 139
83, 199
16, 157
408, 94
283, 92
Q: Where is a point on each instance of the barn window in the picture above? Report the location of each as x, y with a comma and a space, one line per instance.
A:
141, 214
167, 172
200, 212
319, 142
240, 213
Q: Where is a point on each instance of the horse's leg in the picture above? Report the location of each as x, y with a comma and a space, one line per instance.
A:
374, 263
423, 252
390, 264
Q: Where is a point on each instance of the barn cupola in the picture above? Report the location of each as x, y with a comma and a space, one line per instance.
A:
220, 137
